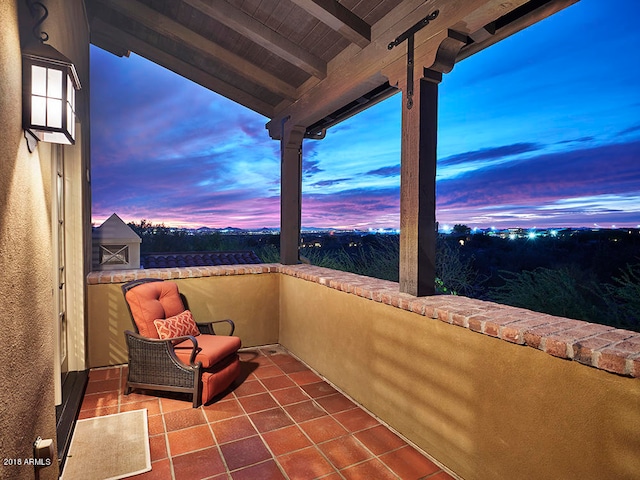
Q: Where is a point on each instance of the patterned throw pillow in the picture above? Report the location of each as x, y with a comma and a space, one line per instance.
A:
176, 326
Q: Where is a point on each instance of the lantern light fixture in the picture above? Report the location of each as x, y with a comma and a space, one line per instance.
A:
50, 81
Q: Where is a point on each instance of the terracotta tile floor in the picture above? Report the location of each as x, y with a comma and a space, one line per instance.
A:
281, 422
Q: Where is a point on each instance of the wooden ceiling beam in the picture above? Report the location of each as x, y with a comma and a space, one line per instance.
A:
355, 73
154, 54
109, 44
499, 33
339, 18
259, 33
169, 28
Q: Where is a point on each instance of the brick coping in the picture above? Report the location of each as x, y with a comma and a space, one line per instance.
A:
600, 346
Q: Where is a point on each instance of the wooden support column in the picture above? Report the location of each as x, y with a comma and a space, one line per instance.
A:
418, 231
418, 188
290, 192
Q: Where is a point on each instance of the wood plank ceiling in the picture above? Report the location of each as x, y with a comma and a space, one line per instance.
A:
300, 59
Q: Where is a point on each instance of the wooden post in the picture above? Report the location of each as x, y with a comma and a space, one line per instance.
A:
418, 231
418, 188
290, 192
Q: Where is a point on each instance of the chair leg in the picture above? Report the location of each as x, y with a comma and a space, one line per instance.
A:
197, 393
197, 389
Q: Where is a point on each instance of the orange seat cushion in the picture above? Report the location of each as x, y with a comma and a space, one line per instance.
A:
151, 301
211, 349
218, 380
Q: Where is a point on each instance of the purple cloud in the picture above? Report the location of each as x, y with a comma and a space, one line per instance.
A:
352, 208
577, 140
629, 130
493, 153
392, 171
540, 185
329, 183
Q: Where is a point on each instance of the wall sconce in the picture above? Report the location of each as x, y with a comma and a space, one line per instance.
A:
49, 84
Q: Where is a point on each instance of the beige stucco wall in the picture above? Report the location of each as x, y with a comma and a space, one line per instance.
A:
251, 301
26, 360
27, 408
486, 408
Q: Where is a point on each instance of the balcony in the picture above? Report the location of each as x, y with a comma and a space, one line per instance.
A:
485, 390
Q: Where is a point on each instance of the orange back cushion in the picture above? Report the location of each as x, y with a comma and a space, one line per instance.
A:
151, 301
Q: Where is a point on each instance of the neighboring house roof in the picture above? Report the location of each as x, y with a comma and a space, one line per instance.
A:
114, 230
197, 259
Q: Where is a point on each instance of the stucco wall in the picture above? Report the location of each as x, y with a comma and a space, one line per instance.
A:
483, 407
251, 301
26, 324
27, 405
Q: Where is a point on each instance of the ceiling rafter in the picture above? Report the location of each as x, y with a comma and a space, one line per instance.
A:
168, 61
105, 42
169, 28
259, 33
339, 18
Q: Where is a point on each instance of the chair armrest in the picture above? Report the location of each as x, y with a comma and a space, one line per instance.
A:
167, 344
207, 327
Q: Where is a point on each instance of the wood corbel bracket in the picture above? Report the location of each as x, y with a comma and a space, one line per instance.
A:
291, 138
294, 135
446, 55
443, 61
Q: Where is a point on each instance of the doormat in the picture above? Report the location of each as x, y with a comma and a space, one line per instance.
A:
109, 447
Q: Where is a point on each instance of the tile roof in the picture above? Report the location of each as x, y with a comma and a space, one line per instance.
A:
197, 259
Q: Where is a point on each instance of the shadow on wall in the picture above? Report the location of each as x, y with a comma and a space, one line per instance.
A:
436, 395
624, 419
119, 321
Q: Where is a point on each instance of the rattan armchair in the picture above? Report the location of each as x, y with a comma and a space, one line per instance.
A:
203, 364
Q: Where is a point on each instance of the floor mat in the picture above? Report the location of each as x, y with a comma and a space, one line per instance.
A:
109, 447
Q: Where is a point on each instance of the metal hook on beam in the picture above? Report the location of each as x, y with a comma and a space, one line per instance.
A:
409, 37
416, 28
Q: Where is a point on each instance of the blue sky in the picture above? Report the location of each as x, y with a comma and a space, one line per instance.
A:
542, 129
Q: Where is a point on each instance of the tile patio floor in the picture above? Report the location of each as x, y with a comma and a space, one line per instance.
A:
281, 422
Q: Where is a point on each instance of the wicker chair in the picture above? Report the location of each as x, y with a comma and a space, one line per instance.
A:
203, 364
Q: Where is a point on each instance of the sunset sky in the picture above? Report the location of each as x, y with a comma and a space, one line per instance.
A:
542, 129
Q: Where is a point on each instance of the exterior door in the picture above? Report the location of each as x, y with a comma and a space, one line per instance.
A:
59, 268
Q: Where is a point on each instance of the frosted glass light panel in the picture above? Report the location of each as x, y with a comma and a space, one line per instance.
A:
50, 84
